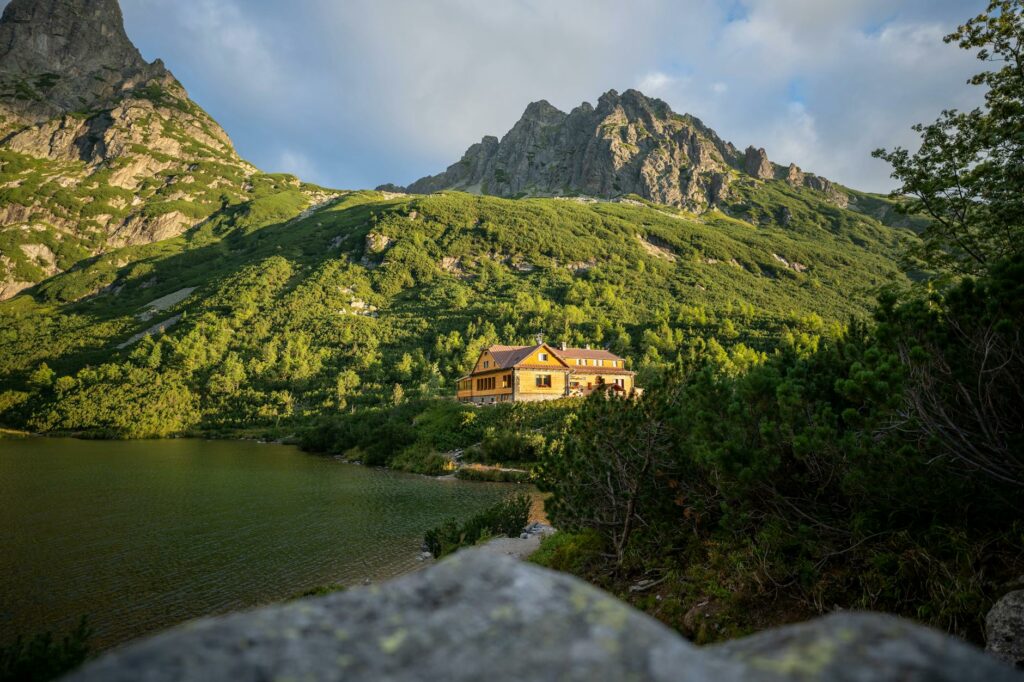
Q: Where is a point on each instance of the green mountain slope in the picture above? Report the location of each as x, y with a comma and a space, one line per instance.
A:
263, 317
98, 148
159, 284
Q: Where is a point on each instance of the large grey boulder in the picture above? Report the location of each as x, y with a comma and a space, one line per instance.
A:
1004, 629
861, 647
479, 616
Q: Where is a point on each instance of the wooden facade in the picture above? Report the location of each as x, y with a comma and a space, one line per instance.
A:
542, 372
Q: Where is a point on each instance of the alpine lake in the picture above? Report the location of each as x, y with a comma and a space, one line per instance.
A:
141, 535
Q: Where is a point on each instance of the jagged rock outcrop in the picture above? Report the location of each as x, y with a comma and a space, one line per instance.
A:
794, 175
98, 148
481, 616
756, 163
58, 56
627, 144
826, 187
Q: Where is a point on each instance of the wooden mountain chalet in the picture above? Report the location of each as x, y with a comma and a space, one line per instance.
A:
532, 373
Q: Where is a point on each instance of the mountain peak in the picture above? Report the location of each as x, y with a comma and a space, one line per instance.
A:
65, 36
628, 144
58, 56
543, 112
73, 88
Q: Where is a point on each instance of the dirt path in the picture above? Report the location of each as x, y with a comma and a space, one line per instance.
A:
514, 547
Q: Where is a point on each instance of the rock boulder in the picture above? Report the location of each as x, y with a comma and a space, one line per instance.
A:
1004, 629
479, 616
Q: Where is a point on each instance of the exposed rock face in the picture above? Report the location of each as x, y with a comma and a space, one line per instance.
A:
140, 150
826, 187
1004, 629
627, 144
794, 175
756, 163
58, 56
481, 616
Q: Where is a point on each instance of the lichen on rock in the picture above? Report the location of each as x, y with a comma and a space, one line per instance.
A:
479, 615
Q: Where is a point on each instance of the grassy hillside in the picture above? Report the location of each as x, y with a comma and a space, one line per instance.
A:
273, 318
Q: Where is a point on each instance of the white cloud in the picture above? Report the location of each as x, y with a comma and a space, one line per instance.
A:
655, 83
296, 163
795, 136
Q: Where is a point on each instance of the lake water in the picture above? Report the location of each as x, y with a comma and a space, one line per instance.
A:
142, 535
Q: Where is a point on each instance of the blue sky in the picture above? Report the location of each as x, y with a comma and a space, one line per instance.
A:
354, 93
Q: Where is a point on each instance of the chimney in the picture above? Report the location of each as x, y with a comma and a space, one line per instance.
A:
540, 339
563, 346
587, 346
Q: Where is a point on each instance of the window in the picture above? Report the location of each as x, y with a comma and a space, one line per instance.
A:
485, 384
506, 381
543, 357
600, 363
487, 364
578, 362
543, 381
620, 382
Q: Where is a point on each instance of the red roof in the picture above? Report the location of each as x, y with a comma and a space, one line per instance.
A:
510, 356
586, 354
506, 357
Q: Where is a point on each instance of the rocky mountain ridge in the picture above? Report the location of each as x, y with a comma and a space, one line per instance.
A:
99, 149
627, 144
58, 56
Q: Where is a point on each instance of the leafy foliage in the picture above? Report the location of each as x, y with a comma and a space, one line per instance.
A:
879, 468
507, 518
807, 478
43, 658
969, 171
361, 310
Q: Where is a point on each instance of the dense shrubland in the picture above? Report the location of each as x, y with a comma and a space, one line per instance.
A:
881, 467
843, 476
348, 314
415, 435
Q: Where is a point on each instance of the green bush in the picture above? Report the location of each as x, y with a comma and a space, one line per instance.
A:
421, 459
507, 446
507, 518
493, 475
834, 475
570, 552
42, 657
